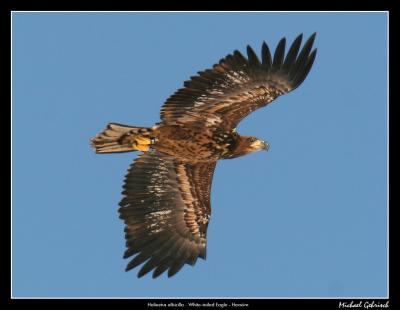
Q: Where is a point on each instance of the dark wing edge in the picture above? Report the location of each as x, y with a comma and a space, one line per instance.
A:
166, 210
236, 86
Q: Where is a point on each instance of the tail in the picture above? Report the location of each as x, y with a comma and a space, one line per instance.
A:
116, 138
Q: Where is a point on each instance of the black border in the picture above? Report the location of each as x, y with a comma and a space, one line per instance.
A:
9, 5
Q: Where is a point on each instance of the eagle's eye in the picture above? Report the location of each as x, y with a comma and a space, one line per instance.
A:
253, 139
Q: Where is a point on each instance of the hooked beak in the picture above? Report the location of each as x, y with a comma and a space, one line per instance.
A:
260, 145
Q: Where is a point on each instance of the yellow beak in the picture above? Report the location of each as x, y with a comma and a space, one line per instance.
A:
260, 145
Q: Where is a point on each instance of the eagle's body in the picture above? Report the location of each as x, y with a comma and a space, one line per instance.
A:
193, 143
196, 143
166, 203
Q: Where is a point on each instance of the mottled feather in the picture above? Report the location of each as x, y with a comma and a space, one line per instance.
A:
166, 206
237, 85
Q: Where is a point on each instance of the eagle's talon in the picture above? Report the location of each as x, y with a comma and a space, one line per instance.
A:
141, 143
142, 140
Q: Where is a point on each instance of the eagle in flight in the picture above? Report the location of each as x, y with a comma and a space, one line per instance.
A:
166, 196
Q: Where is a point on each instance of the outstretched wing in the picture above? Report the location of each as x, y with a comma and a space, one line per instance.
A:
166, 209
236, 86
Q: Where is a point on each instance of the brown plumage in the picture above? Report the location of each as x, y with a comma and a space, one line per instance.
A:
166, 203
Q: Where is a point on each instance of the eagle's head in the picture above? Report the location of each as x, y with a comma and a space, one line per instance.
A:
246, 145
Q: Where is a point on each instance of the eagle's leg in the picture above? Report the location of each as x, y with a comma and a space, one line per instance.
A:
142, 143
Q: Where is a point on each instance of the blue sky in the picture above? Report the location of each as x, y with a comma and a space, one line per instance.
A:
308, 218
